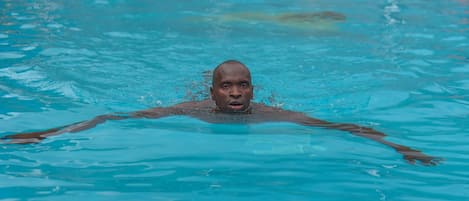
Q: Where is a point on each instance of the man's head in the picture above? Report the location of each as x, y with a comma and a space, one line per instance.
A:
232, 89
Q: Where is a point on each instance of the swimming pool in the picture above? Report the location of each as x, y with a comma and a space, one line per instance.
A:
400, 67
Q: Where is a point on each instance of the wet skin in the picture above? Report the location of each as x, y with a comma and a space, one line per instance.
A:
231, 95
231, 89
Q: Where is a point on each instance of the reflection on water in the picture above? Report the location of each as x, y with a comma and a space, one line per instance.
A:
326, 20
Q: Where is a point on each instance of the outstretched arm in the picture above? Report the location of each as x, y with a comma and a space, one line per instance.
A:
34, 137
409, 154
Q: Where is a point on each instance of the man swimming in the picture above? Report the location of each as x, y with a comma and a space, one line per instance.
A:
231, 95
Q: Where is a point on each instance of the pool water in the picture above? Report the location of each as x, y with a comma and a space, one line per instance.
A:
400, 67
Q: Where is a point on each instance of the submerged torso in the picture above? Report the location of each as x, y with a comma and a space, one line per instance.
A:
206, 111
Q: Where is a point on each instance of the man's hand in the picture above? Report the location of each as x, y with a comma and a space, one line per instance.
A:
26, 138
30, 137
412, 156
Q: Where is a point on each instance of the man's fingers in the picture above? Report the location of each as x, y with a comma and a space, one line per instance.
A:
410, 159
22, 140
436, 161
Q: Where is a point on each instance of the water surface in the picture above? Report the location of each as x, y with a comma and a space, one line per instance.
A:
398, 66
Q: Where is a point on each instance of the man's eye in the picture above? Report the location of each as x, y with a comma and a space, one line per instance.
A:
225, 86
244, 85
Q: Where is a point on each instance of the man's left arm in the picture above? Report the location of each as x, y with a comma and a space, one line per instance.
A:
409, 154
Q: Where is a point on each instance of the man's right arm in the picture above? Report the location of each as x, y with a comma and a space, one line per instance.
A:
35, 137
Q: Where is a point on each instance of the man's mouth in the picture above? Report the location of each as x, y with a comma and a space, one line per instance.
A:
236, 106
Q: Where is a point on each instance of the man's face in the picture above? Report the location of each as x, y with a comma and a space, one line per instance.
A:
232, 90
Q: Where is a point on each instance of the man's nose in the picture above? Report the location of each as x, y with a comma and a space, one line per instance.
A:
235, 92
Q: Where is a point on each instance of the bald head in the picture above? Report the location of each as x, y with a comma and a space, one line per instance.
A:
229, 67
231, 88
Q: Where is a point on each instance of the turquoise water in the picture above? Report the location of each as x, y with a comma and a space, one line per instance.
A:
400, 67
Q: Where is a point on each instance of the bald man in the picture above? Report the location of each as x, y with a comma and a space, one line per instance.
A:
231, 95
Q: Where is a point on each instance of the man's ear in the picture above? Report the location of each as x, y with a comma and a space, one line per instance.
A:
252, 92
211, 93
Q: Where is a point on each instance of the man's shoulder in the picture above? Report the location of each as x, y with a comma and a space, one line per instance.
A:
261, 107
195, 104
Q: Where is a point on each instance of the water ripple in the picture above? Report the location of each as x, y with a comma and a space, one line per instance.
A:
11, 55
126, 35
67, 51
37, 79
